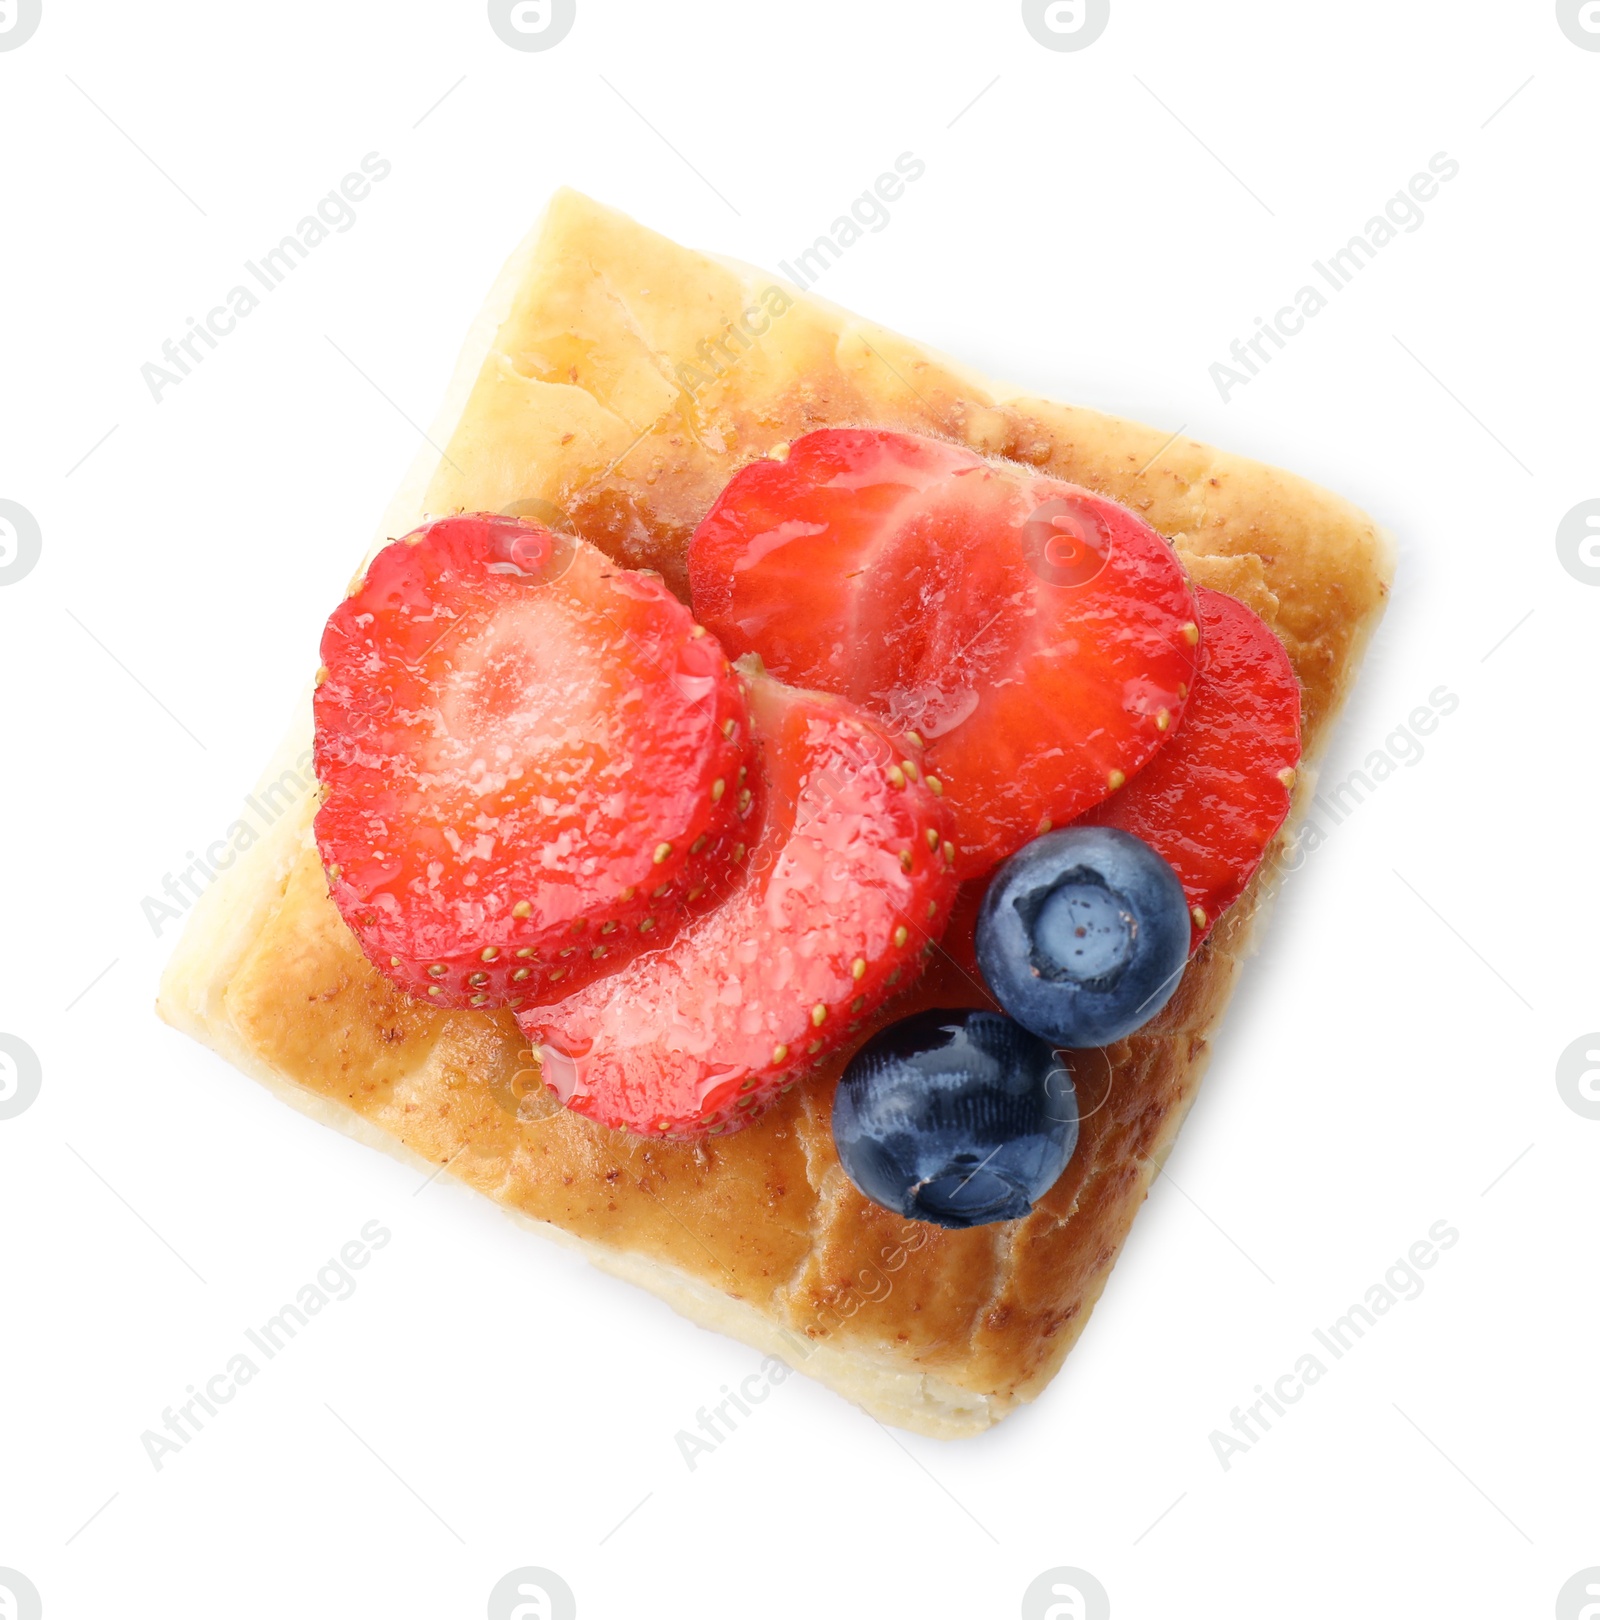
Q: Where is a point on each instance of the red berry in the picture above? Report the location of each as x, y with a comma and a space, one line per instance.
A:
849, 879
531, 760
1211, 801
1039, 638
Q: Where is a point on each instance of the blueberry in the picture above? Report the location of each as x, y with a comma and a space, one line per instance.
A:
959, 1118
1083, 935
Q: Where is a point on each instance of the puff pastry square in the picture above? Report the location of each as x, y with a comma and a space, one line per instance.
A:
620, 379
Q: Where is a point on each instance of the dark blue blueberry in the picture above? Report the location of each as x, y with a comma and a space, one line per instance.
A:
959, 1118
1083, 935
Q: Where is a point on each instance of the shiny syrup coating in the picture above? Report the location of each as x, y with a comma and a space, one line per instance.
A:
1040, 638
830, 911
520, 746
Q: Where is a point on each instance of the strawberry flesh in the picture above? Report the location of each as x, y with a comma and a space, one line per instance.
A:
849, 880
1040, 638
1212, 800
531, 761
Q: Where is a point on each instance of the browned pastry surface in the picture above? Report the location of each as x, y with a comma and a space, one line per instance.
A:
590, 386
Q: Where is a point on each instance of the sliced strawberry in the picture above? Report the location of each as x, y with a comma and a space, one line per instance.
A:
1040, 638
532, 759
1211, 801
849, 880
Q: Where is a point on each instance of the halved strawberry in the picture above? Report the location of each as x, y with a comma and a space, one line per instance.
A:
850, 878
532, 759
1040, 638
1211, 800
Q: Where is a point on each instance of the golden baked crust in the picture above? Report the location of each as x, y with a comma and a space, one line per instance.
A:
621, 379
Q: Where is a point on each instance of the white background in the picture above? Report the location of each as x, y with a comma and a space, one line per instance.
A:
1098, 225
